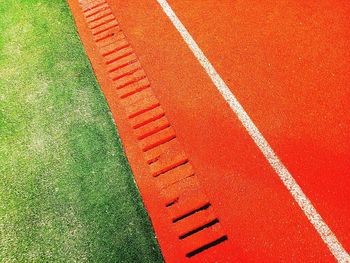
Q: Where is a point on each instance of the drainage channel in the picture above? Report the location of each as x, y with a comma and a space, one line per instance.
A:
184, 219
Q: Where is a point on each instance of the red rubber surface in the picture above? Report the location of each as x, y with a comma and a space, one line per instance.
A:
288, 64
184, 219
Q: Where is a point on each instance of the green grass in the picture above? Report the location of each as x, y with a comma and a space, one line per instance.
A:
66, 190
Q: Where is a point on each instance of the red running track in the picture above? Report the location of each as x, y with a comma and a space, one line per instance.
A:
288, 64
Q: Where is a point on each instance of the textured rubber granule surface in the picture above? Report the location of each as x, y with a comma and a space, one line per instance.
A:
188, 128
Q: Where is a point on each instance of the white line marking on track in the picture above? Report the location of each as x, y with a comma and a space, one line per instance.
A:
305, 204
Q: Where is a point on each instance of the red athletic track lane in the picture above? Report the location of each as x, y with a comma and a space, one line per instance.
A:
288, 64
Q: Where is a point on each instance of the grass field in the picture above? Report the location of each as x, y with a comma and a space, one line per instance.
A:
66, 190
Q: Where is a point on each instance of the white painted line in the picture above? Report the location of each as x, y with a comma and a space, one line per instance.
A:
305, 204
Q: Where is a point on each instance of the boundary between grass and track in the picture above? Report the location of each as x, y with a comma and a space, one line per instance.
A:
295, 190
189, 229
